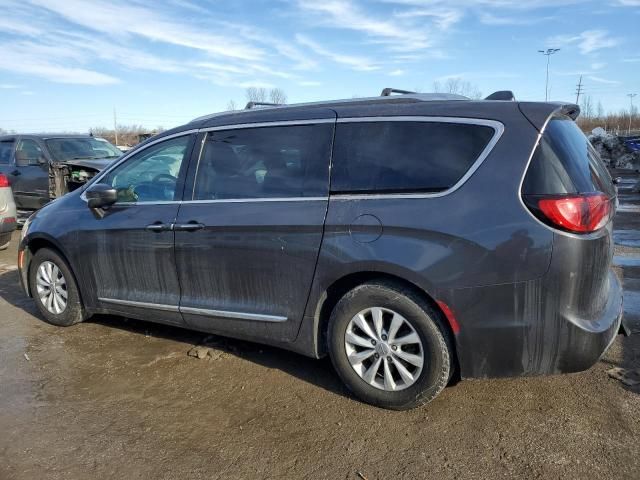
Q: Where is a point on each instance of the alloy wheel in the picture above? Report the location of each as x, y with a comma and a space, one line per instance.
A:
384, 349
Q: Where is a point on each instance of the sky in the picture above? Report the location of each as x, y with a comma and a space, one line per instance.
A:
66, 65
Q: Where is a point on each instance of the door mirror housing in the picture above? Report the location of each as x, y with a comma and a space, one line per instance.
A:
101, 195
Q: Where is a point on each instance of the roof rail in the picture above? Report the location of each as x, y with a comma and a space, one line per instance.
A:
250, 105
386, 92
506, 95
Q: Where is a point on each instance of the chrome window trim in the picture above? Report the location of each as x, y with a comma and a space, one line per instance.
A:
228, 200
281, 123
497, 126
133, 152
258, 317
259, 200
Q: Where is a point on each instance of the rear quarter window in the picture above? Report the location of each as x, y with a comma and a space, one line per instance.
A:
564, 162
405, 156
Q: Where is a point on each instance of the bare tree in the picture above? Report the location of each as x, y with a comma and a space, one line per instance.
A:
255, 94
599, 110
231, 106
459, 87
277, 95
586, 106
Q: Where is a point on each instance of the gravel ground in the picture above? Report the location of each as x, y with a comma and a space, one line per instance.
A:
116, 398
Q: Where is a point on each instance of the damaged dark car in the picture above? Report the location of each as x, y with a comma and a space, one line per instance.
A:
41, 168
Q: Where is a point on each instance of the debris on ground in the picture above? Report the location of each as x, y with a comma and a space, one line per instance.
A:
27, 357
203, 352
614, 149
627, 376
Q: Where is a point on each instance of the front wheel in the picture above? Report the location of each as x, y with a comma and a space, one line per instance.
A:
54, 289
388, 347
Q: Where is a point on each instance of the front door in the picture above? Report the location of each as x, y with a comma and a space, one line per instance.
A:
30, 177
248, 240
129, 248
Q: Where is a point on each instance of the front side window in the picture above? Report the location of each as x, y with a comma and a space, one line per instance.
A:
150, 175
6, 150
69, 148
265, 162
28, 152
405, 156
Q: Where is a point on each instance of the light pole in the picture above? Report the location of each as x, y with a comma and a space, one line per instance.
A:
548, 52
630, 95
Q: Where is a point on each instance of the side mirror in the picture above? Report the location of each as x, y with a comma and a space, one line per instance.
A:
101, 195
42, 160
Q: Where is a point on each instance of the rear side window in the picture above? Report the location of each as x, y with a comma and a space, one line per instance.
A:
564, 162
6, 150
265, 162
398, 156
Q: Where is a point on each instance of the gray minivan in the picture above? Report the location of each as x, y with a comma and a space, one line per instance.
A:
413, 238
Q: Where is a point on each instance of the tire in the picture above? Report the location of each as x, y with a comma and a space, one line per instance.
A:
73, 311
423, 326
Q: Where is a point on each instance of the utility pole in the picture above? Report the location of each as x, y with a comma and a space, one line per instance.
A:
630, 95
578, 91
548, 52
115, 125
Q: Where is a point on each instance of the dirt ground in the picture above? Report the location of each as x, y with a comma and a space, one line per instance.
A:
120, 399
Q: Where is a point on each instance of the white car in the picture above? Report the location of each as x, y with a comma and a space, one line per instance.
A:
7, 212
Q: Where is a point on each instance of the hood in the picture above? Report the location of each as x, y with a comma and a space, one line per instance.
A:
95, 164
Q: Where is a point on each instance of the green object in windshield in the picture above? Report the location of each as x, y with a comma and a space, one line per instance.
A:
75, 148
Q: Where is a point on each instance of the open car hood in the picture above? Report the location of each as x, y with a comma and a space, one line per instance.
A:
98, 164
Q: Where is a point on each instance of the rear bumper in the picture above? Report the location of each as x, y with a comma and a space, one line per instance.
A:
523, 329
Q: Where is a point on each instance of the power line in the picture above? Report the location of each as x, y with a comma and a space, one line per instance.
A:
548, 53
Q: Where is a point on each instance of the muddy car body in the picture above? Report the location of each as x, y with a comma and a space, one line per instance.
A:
410, 237
41, 168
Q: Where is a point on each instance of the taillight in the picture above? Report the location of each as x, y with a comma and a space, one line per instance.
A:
574, 213
4, 180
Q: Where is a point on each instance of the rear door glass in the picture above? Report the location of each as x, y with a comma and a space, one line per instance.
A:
564, 162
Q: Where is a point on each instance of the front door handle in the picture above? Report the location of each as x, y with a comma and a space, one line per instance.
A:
159, 227
188, 227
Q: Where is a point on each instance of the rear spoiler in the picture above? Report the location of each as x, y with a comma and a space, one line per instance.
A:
538, 112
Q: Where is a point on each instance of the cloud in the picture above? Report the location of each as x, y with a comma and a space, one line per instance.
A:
587, 42
113, 16
397, 73
8, 86
355, 62
344, 14
14, 61
491, 19
309, 83
603, 80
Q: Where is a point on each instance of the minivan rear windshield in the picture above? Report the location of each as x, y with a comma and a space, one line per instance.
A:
63, 149
564, 162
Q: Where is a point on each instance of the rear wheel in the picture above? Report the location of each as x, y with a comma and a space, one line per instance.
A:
387, 346
54, 289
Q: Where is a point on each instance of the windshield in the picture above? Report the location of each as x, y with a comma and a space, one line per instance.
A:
80, 148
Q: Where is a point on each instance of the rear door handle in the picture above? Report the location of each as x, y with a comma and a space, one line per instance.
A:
159, 227
188, 227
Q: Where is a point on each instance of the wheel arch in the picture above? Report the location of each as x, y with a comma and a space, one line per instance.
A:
339, 287
38, 242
